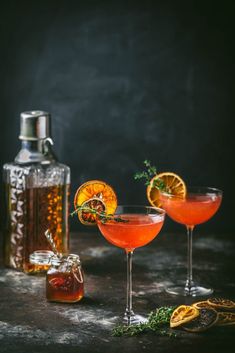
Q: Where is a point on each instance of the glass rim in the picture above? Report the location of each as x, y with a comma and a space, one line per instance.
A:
158, 210
196, 190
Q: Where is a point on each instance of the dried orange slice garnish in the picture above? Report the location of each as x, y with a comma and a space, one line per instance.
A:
183, 314
97, 195
173, 184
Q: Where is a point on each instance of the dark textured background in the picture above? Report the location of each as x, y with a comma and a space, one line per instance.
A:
125, 81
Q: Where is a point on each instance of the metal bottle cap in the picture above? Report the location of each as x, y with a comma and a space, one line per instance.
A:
35, 125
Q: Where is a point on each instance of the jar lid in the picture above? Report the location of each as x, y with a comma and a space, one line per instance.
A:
41, 257
71, 259
47, 257
74, 258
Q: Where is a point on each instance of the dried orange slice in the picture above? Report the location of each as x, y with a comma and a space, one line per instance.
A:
174, 185
201, 305
221, 303
183, 314
97, 195
225, 319
207, 318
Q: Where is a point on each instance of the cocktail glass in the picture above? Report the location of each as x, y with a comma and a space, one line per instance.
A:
141, 226
200, 204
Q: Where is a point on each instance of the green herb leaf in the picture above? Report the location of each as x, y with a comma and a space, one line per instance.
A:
158, 322
102, 215
148, 174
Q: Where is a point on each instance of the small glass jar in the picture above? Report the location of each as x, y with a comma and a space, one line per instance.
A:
64, 278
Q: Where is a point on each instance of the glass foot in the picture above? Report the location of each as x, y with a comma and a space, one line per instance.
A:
132, 319
194, 291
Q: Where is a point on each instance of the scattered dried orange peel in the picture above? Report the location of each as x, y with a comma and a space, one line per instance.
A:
97, 195
208, 314
174, 185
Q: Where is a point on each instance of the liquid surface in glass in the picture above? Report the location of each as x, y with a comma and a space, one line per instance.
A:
193, 210
138, 231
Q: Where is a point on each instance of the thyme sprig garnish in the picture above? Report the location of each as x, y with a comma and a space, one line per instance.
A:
148, 174
104, 217
158, 322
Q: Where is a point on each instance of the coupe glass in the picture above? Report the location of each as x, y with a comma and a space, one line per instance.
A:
141, 226
200, 204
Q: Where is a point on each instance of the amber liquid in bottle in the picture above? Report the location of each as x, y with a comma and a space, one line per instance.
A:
36, 195
33, 211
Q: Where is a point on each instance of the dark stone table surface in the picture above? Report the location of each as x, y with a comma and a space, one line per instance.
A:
28, 323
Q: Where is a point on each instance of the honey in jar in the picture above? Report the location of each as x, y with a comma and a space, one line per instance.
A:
64, 278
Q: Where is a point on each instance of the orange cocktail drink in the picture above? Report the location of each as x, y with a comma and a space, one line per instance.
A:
194, 209
138, 226
138, 231
127, 227
198, 206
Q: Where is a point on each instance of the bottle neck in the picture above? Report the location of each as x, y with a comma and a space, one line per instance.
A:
32, 145
35, 151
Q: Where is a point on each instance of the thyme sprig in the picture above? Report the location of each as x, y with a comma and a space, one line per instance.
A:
104, 217
158, 322
148, 174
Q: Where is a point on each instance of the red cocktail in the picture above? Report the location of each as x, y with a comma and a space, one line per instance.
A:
138, 231
139, 226
199, 205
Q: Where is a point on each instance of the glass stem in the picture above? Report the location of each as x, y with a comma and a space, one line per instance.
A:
189, 282
129, 312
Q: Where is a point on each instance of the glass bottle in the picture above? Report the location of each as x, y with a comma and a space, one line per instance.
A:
37, 191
